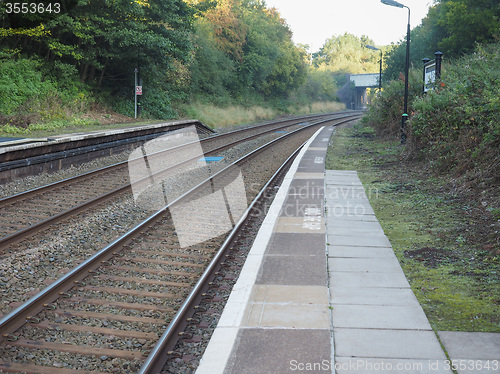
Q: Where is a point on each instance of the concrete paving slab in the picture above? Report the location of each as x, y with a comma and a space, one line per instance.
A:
296, 206
337, 210
293, 270
372, 296
217, 355
359, 230
471, 345
359, 252
345, 192
359, 241
306, 188
290, 294
334, 223
276, 351
348, 202
340, 172
333, 220
324, 149
291, 316
343, 181
342, 201
363, 365
368, 280
395, 317
314, 168
388, 265
407, 344
304, 175
297, 244
300, 225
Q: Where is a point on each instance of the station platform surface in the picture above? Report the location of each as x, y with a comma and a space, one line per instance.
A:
322, 291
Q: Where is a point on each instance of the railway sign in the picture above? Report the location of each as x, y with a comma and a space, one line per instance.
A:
432, 72
138, 90
429, 76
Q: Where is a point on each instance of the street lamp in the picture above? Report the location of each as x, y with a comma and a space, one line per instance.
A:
380, 74
407, 67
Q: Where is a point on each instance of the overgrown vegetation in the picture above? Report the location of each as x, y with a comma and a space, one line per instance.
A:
445, 238
189, 54
64, 65
456, 127
453, 27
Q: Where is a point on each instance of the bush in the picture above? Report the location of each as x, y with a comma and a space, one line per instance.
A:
455, 127
458, 125
32, 91
21, 81
386, 110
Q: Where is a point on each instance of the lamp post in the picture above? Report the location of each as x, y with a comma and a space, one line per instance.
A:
407, 67
135, 92
380, 74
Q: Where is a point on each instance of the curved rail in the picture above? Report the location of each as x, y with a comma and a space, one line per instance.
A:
34, 228
158, 357
27, 310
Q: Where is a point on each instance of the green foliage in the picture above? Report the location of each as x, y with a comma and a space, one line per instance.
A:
288, 72
105, 40
453, 27
467, 22
458, 124
32, 91
347, 54
386, 110
319, 85
226, 52
21, 81
213, 72
242, 50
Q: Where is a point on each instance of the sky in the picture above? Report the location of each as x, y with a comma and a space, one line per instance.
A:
314, 21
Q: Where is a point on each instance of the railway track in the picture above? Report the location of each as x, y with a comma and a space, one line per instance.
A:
24, 214
107, 312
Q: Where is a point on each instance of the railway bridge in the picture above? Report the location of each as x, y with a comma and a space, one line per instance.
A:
361, 83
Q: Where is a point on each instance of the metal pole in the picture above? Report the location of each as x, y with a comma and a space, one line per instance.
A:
135, 94
425, 61
407, 68
380, 74
439, 56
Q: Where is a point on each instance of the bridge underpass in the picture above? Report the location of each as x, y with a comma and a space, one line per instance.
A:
361, 83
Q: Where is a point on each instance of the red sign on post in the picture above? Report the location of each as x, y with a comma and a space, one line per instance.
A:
138, 90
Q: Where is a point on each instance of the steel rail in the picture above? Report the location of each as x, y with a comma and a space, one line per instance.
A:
34, 191
158, 357
37, 227
18, 317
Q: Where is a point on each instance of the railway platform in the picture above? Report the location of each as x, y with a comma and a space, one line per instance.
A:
322, 291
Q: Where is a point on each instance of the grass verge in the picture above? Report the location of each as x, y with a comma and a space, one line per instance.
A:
446, 241
211, 115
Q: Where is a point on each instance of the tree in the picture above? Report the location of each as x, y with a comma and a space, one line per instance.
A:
98, 36
453, 27
347, 54
466, 23
244, 48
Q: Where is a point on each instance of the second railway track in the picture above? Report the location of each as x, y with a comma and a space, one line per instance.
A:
108, 312
26, 213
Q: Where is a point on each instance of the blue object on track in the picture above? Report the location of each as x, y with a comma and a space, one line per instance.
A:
210, 159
